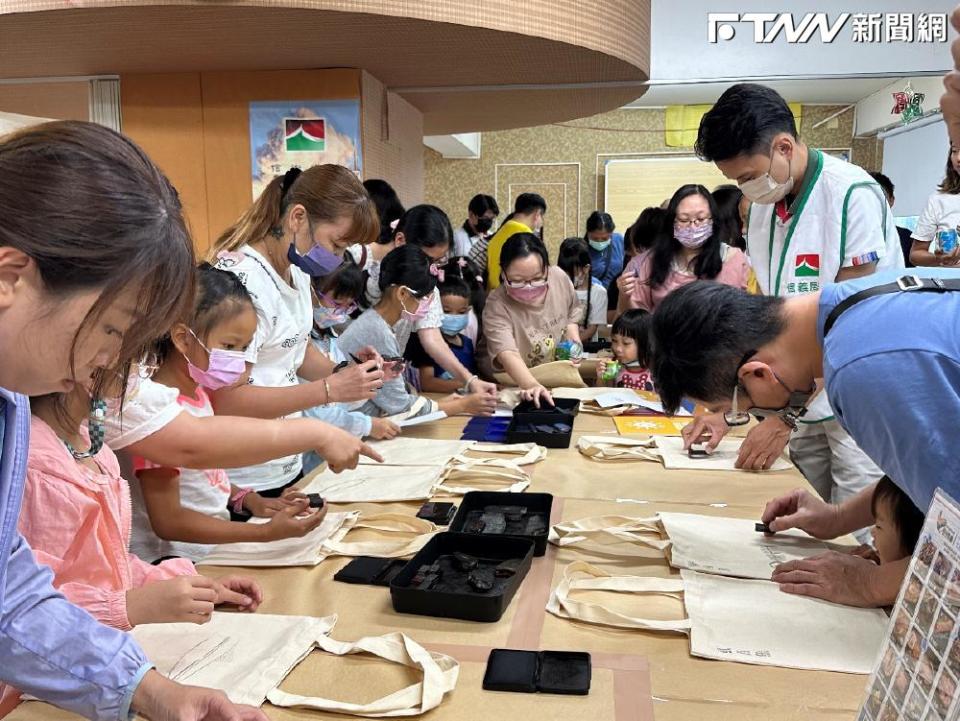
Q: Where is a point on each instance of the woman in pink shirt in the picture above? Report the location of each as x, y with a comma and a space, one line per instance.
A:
688, 247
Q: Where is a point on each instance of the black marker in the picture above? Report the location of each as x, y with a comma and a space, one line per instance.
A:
762, 528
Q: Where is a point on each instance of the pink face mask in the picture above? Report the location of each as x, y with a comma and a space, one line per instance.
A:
422, 307
528, 294
224, 367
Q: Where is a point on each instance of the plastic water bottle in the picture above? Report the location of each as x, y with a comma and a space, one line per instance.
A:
947, 240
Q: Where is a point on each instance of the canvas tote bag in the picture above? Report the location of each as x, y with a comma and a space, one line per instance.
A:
247, 656
732, 619
375, 484
402, 535
710, 544
668, 450
556, 374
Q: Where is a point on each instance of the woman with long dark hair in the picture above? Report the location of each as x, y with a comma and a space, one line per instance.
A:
688, 247
96, 262
941, 214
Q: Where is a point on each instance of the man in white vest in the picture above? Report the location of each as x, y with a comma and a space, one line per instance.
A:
813, 219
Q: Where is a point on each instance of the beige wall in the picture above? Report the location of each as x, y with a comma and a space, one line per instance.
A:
60, 101
392, 140
564, 162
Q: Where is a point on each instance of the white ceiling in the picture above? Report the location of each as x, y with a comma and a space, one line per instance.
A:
824, 90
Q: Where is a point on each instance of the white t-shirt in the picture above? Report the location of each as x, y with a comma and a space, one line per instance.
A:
284, 320
148, 409
942, 213
598, 305
463, 241
206, 492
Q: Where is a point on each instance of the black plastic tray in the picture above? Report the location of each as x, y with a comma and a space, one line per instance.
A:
478, 500
561, 672
467, 604
526, 431
562, 409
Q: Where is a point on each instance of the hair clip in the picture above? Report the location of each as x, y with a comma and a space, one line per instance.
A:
462, 262
437, 272
231, 256
394, 224
289, 178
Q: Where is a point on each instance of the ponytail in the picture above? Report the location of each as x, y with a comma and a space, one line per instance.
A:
327, 192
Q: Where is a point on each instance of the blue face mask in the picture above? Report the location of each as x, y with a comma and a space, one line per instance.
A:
599, 245
454, 324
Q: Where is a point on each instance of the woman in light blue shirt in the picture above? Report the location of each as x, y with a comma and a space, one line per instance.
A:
95, 262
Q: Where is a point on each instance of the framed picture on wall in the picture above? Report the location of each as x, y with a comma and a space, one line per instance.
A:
288, 134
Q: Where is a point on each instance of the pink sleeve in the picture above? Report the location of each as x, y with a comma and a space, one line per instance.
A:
642, 296
143, 573
108, 607
50, 517
736, 269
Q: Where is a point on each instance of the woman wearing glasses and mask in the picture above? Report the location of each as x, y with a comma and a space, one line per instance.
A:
687, 248
534, 308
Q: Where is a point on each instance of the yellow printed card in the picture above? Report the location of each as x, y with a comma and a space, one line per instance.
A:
651, 425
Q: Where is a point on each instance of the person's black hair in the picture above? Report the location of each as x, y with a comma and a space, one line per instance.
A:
462, 268
727, 218
452, 285
574, 255
708, 263
599, 220
407, 265
527, 203
220, 295
480, 204
425, 226
635, 324
347, 281
521, 245
951, 178
700, 334
643, 233
907, 517
743, 122
884, 182
389, 207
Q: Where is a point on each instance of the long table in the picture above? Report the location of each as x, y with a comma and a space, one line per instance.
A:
636, 674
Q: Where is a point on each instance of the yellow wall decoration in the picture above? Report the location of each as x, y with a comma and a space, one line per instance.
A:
681, 123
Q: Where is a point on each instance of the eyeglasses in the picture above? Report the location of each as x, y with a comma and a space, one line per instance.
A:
524, 283
411, 291
693, 221
347, 308
735, 416
148, 365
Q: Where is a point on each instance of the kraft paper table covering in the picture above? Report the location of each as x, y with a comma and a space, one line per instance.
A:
371, 678
684, 688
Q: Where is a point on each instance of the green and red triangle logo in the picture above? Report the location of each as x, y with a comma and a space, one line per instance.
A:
807, 265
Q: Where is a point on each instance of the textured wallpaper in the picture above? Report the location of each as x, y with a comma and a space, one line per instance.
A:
564, 162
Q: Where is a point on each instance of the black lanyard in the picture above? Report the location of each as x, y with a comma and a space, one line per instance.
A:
904, 284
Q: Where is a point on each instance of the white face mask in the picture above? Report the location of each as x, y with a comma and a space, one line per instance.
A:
765, 190
582, 296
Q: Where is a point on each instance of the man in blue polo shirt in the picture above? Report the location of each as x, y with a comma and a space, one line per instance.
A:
891, 369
